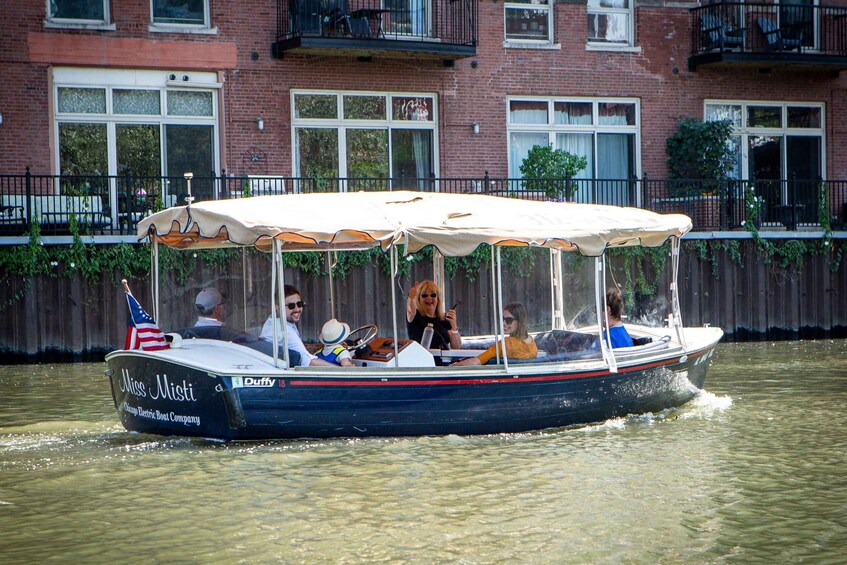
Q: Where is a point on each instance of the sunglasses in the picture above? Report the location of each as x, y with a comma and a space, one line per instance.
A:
508, 320
430, 295
293, 305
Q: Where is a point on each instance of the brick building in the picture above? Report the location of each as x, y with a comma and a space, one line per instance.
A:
415, 88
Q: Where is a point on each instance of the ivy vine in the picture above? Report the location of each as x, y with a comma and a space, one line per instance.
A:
89, 261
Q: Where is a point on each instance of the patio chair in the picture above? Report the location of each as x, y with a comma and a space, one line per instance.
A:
776, 39
304, 16
718, 35
339, 18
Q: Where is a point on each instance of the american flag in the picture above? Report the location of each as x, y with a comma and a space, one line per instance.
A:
143, 333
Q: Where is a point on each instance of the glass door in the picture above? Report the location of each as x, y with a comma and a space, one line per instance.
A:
797, 22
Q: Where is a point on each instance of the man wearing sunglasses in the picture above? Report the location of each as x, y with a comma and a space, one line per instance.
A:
293, 307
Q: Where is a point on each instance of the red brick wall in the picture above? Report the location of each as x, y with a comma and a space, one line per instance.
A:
657, 75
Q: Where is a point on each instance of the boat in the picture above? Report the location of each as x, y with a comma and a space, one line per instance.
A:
236, 390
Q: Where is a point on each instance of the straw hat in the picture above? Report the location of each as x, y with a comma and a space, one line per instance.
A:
334, 332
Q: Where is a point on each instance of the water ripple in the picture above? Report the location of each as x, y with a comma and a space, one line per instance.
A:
750, 471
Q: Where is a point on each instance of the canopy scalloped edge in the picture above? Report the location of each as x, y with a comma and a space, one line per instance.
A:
455, 224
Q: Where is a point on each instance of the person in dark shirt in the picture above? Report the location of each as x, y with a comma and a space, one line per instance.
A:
424, 306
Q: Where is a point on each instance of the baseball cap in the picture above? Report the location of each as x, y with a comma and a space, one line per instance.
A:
207, 299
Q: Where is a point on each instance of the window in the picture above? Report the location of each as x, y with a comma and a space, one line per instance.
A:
604, 131
529, 20
610, 22
78, 11
362, 136
181, 12
408, 18
777, 142
135, 125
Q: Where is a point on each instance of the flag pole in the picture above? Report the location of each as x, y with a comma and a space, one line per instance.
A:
126, 287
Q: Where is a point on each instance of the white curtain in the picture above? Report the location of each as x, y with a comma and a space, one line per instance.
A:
417, 12
421, 148
613, 162
581, 144
519, 146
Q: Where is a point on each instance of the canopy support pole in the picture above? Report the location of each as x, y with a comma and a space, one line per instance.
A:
275, 344
277, 312
676, 318
557, 300
603, 312
329, 266
154, 268
499, 312
438, 274
246, 283
393, 255
492, 262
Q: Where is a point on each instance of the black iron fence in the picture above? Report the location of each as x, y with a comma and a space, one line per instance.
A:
448, 21
113, 205
770, 27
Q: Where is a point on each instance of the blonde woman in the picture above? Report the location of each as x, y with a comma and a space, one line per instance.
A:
519, 344
424, 306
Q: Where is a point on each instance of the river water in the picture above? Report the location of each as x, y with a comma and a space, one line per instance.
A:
754, 470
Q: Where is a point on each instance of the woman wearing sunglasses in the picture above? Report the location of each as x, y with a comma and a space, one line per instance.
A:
424, 307
519, 344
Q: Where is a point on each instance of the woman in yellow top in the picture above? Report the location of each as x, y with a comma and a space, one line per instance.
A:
519, 345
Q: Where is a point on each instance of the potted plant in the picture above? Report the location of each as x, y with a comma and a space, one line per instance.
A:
551, 170
700, 158
700, 152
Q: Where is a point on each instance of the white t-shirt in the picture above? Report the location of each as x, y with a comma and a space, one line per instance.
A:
295, 342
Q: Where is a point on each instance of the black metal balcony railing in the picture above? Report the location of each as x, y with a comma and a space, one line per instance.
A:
742, 32
113, 205
445, 29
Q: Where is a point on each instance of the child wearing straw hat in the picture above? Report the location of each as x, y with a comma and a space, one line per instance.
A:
332, 336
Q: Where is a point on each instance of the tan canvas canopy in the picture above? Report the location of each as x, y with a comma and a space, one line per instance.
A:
454, 223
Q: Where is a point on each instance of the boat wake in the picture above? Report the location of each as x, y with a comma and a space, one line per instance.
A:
704, 405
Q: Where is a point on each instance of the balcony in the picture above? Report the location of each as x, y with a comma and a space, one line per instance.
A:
421, 29
769, 36
113, 205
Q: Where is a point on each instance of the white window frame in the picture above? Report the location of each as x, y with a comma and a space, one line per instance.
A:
630, 31
342, 124
528, 42
73, 23
166, 27
120, 79
744, 131
551, 128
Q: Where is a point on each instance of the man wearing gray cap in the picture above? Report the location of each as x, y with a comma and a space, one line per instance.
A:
210, 308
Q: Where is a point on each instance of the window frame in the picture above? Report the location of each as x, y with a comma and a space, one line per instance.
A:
528, 42
205, 27
342, 125
595, 128
744, 131
86, 23
110, 80
630, 29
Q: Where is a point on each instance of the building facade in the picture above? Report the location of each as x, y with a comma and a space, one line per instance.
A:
410, 89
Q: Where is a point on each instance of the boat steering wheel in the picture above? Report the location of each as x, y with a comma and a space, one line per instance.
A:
361, 337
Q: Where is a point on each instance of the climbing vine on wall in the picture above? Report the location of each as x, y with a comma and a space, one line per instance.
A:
90, 261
